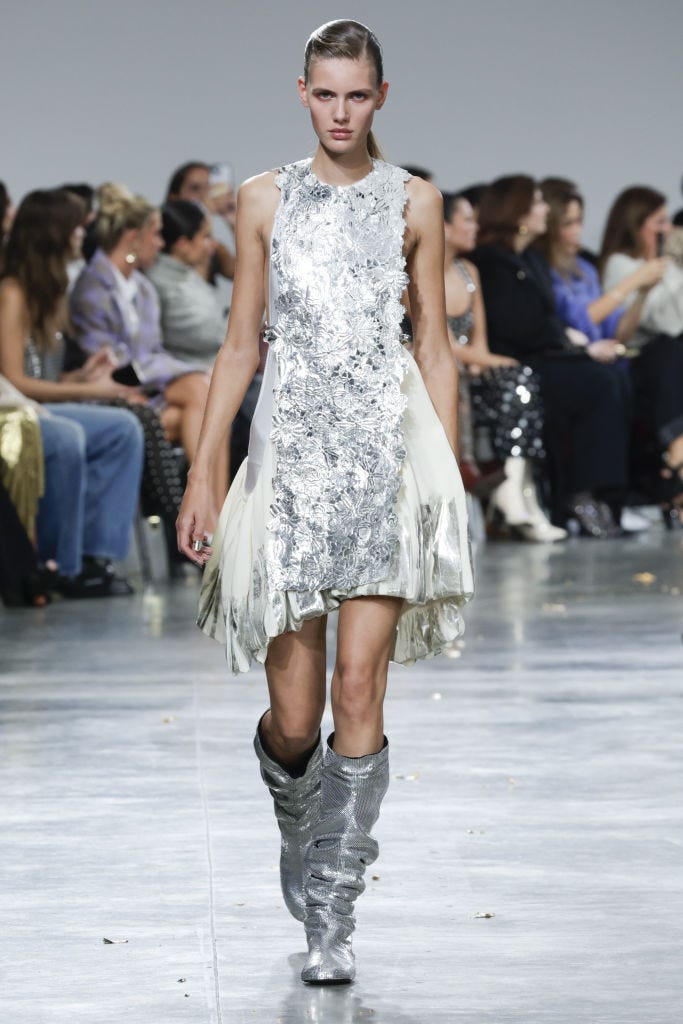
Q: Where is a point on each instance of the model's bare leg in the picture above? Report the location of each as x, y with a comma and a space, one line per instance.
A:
365, 640
355, 778
295, 669
287, 744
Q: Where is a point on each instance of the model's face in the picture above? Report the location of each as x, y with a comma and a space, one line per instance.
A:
194, 251
195, 188
571, 229
461, 230
342, 96
149, 241
656, 224
537, 217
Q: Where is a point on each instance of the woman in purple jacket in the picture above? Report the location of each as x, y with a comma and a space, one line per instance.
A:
114, 306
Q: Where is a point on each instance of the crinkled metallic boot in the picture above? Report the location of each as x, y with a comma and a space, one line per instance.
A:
352, 791
297, 808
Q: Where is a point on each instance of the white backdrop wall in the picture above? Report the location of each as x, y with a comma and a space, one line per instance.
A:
127, 89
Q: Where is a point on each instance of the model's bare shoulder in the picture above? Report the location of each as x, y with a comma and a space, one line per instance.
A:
424, 209
423, 197
257, 200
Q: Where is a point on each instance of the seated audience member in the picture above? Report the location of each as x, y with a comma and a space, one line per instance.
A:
86, 193
580, 300
22, 480
192, 325
192, 182
418, 172
115, 309
582, 399
636, 232
549, 183
473, 194
6, 214
93, 455
505, 395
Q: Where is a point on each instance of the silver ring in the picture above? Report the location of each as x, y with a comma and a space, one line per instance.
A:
197, 545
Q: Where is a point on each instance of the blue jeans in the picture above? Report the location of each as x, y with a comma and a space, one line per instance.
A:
93, 463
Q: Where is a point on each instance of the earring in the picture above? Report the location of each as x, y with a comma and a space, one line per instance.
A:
522, 230
131, 258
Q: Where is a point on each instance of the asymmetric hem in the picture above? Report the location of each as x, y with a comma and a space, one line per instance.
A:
350, 488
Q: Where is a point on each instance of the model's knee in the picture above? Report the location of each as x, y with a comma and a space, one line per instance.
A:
292, 733
357, 693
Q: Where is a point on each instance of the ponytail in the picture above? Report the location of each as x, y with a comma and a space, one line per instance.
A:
374, 148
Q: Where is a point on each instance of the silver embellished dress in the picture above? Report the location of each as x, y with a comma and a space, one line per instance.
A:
350, 487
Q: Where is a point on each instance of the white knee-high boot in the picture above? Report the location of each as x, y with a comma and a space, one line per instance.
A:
516, 500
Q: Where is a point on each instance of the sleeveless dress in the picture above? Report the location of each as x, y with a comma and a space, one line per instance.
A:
504, 399
350, 487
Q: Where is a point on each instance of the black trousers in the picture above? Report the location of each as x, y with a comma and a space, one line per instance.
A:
587, 422
658, 380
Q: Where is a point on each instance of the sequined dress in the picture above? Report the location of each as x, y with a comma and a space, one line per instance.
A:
504, 399
350, 487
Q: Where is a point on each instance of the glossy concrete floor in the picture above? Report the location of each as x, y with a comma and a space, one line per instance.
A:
531, 865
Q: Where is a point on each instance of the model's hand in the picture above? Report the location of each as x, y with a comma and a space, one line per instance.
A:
196, 522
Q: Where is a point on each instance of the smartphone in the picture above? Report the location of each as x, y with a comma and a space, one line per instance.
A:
661, 241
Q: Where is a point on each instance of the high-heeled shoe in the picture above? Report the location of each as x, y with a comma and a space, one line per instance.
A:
594, 517
672, 493
515, 505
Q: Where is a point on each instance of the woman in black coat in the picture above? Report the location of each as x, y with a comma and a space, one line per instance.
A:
586, 405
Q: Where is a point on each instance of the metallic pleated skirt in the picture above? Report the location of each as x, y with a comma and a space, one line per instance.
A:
430, 568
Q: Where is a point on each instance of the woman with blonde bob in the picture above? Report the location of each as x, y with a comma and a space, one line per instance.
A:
350, 498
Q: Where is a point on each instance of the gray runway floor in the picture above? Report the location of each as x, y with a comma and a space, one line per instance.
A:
531, 864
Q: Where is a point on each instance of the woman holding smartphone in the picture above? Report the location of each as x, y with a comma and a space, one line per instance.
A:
350, 498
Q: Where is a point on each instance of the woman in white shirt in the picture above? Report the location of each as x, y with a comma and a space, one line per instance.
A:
637, 227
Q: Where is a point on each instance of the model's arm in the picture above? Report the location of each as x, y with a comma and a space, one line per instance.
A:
236, 362
431, 347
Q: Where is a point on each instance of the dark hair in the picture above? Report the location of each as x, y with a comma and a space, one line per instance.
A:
350, 40
180, 219
503, 204
450, 202
37, 251
558, 194
83, 191
677, 219
418, 172
180, 174
4, 203
629, 212
473, 193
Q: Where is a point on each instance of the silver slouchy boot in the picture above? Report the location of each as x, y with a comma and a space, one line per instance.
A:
352, 790
297, 807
